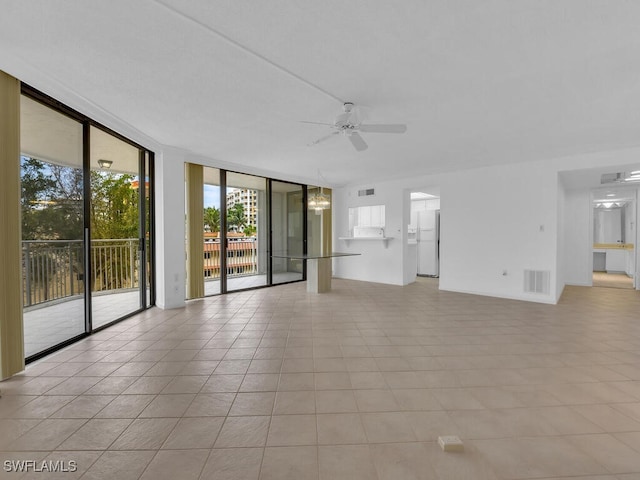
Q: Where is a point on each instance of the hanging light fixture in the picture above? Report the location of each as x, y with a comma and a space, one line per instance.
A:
105, 163
319, 201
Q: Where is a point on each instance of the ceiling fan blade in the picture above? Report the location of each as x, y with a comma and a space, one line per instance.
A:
357, 141
316, 123
390, 128
322, 139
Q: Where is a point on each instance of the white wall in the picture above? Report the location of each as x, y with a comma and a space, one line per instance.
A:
560, 242
376, 263
496, 222
489, 223
492, 220
578, 247
629, 222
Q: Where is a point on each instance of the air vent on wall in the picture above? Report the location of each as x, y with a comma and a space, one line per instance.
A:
537, 281
366, 192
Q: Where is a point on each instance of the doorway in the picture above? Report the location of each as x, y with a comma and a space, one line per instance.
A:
424, 232
614, 216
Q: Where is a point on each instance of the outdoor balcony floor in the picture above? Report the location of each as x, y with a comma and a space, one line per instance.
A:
53, 323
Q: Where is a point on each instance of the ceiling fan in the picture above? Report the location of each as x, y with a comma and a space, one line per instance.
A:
347, 124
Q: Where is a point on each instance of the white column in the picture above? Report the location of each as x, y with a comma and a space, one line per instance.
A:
170, 228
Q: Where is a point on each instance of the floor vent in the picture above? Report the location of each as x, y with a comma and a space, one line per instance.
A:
366, 193
537, 281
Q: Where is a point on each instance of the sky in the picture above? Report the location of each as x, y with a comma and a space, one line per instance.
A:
211, 196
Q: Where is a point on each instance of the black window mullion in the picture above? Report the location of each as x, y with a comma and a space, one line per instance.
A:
151, 251
142, 228
223, 231
305, 230
86, 184
270, 233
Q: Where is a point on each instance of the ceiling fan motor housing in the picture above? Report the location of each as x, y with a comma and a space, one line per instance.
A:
344, 120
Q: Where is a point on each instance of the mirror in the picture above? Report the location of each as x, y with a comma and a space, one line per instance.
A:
613, 216
607, 225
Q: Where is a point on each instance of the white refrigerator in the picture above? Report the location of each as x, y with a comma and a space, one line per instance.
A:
428, 239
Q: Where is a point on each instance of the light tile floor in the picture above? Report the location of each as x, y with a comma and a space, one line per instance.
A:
212, 287
52, 323
357, 383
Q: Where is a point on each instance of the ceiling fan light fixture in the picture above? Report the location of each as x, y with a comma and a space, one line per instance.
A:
349, 125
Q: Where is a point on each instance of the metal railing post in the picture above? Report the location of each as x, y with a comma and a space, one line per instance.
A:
70, 270
27, 268
131, 263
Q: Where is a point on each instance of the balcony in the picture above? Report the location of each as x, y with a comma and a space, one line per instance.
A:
53, 287
53, 282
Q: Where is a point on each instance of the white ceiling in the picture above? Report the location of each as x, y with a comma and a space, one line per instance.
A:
53, 137
476, 82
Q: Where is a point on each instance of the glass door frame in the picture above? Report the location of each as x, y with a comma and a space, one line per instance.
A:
305, 212
269, 237
146, 158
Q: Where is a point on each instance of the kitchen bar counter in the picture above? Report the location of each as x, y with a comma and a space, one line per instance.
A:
318, 269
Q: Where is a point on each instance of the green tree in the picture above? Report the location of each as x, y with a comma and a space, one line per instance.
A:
53, 209
212, 219
250, 230
51, 200
114, 206
114, 215
236, 219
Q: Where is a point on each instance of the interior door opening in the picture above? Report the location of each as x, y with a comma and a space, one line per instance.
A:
424, 232
614, 216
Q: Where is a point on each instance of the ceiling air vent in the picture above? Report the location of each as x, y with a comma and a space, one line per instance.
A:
366, 192
612, 178
621, 177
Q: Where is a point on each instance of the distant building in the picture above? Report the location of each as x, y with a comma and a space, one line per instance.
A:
248, 199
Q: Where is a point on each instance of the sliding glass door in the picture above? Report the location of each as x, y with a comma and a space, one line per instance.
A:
246, 231
287, 231
86, 225
52, 227
212, 237
118, 199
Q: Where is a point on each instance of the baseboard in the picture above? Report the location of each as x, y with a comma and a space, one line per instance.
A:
548, 301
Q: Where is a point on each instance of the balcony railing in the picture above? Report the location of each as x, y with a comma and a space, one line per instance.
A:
242, 257
53, 269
